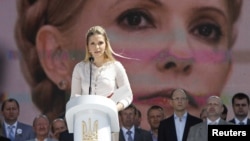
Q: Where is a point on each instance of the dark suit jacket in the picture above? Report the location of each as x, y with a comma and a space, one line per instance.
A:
66, 136
167, 130
199, 131
140, 135
27, 132
4, 139
233, 121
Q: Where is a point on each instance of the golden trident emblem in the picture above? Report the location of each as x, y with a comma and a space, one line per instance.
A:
89, 133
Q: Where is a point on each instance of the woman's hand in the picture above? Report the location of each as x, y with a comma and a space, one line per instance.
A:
119, 106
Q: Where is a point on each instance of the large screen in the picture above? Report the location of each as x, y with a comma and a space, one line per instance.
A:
199, 46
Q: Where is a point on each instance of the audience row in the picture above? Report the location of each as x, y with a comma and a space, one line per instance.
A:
41, 130
180, 126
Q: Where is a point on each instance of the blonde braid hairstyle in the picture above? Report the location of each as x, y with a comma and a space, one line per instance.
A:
32, 15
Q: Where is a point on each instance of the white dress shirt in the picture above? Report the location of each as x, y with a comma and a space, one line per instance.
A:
216, 122
237, 122
46, 139
180, 123
6, 126
132, 129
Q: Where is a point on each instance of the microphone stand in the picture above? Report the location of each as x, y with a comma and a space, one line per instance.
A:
91, 60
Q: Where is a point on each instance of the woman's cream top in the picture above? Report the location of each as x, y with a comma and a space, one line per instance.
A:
109, 80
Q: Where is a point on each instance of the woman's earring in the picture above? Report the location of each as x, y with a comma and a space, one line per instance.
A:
62, 85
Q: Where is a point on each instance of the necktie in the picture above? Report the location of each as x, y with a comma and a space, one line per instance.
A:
129, 135
11, 133
241, 123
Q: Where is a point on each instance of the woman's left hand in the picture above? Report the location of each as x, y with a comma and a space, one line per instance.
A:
119, 106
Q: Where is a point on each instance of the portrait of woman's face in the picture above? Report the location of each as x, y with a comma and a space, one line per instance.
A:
200, 46
177, 45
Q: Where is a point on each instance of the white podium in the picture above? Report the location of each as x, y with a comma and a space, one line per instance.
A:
92, 118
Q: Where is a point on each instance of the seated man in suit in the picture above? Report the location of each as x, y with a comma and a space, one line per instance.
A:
176, 127
64, 133
58, 126
128, 130
41, 127
11, 127
240, 103
214, 108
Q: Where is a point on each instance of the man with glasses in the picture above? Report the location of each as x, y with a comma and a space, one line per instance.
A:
214, 108
176, 127
240, 103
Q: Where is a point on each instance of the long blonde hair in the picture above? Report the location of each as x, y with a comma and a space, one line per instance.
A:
108, 53
98, 30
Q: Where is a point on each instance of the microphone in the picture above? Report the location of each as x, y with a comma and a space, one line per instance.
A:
91, 60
